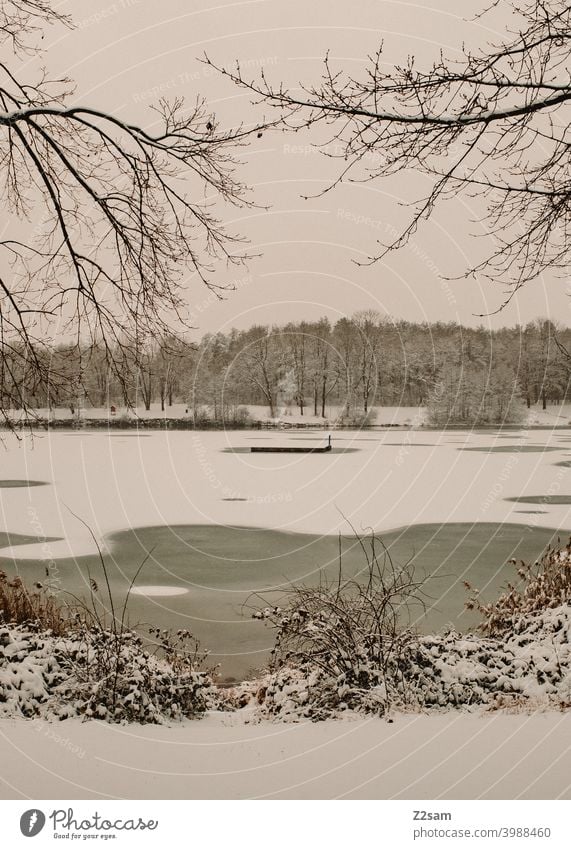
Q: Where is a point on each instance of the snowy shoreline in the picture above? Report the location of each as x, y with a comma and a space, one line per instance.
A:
98, 673
518, 753
176, 417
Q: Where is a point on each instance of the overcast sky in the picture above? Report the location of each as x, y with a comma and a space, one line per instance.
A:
126, 54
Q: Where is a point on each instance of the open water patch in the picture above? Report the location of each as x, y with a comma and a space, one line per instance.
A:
17, 483
540, 499
7, 540
512, 449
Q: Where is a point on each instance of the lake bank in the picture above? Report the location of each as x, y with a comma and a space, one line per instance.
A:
178, 417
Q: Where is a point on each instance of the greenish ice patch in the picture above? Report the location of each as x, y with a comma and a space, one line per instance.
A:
14, 484
540, 499
512, 449
8, 539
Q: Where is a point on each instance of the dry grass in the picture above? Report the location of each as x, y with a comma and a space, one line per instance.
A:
544, 584
20, 605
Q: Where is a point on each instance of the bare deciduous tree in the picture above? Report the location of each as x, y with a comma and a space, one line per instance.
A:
128, 212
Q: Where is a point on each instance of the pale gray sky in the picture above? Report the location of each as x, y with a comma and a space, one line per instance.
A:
125, 54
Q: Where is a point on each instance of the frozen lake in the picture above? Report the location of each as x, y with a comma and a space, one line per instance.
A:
223, 523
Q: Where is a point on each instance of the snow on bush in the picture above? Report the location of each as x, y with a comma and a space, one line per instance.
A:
351, 417
342, 644
532, 665
28, 670
91, 673
342, 647
543, 584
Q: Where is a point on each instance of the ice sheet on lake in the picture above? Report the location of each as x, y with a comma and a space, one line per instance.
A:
394, 480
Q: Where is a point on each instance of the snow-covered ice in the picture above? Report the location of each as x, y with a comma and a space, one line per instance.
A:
123, 480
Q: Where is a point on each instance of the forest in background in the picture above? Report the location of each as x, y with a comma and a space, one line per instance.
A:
461, 374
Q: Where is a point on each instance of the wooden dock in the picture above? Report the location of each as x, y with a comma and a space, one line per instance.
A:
277, 449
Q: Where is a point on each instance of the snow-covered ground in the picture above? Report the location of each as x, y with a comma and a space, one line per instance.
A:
452, 756
288, 415
559, 414
555, 414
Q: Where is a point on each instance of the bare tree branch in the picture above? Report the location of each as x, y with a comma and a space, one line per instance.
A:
494, 123
129, 212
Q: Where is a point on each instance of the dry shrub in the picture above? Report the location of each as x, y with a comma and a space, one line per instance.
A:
544, 584
21, 605
349, 636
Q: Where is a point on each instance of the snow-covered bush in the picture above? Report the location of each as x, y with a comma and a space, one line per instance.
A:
88, 673
544, 584
29, 671
237, 416
344, 647
342, 643
529, 669
530, 664
114, 676
85, 660
351, 417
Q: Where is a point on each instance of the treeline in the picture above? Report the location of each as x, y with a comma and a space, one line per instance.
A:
462, 374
